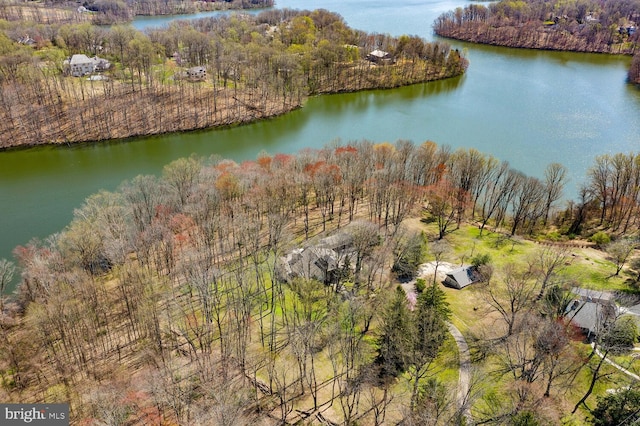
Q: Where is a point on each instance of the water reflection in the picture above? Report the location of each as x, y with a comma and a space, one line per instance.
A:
332, 106
525, 106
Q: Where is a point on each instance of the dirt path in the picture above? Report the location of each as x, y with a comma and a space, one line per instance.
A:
464, 378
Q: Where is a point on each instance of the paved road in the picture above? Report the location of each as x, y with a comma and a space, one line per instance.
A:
464, 379
608, 361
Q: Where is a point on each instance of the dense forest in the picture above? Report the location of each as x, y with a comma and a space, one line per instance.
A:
107, 12
193, 75
608, 26
169, 301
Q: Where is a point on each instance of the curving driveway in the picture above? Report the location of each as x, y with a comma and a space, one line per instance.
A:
464, 379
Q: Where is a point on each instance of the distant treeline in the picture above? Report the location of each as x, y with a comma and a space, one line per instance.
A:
252, 67
608, 26
106, 12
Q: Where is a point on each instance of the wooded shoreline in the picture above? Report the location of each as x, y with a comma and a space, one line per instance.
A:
609, 28
203, 74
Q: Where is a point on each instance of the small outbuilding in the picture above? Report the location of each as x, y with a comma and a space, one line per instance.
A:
461, 277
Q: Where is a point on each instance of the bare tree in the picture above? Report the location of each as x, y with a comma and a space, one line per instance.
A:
555, 178
512, 298
172, 392
467, 169
605, 343
7, 269
599, 175
545, 264
439, 250
181, 176
365, 237
108, 405
497, 193
560, 360
143, 195
526, 202
443, 204
619, 252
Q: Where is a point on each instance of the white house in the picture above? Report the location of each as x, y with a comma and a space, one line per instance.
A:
380, 57
197, 73
81, 65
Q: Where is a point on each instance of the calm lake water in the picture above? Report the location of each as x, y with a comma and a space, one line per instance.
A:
528, 107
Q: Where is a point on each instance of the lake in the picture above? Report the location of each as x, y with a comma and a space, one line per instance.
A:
528, 107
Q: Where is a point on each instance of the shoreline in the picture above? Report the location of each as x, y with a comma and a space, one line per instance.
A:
541, 48
603, 32
246, 119
127, 139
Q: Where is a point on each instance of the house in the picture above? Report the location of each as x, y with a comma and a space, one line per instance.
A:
591, 19
81, 65
605, 297
590, 317
322, 261
380, 57
340, 242
591, 311
27, 40
197, 73
461, 277
310, 263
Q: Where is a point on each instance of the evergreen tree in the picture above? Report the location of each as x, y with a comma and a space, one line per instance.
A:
617, 409
395, 338
429, 332
409, 254
430, 317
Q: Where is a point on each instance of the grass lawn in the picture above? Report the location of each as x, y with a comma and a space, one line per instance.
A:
584, 267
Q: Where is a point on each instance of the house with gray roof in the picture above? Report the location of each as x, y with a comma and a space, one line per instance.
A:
461, 277
322, 261
590, 317
81, 65
593, 295
591, 311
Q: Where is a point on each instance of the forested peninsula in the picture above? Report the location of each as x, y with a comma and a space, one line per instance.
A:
194, 298
608, 26
69, 83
